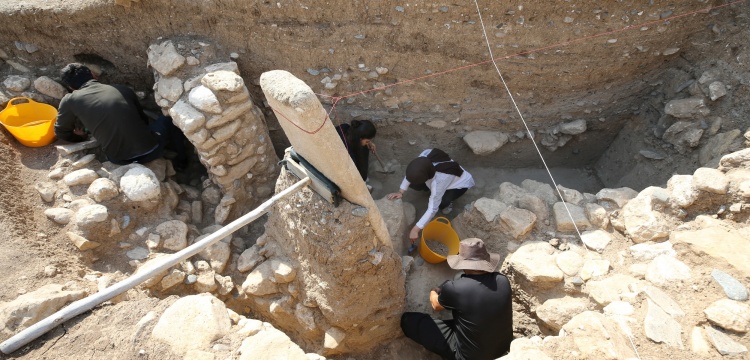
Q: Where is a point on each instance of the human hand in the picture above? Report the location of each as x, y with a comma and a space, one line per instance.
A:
371, 146
79, 132
396, 195
414, 234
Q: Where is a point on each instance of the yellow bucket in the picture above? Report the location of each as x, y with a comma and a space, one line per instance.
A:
439, 229
30, 122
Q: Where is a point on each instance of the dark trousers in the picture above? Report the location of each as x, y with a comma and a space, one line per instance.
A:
448, 197
169, 135
435, 335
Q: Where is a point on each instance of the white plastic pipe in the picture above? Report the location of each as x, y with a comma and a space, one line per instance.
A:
86, 304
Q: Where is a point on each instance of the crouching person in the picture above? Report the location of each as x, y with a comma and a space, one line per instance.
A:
480, 300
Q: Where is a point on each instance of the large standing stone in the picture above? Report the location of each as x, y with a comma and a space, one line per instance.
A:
485, 142
598, 337
641, 221
557, 312
733, 288
729, 314
619, 196
28, 309
140, 184
91, 214
102, 190
665, 269
596, 239
49, 87
535, 261
570, 217
270, 344
173, 234
687, 108
516, 222
193, 322
723, 343
662, 328
80, 177
164, 58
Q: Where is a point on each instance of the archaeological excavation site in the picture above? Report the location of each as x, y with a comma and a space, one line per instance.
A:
608, 142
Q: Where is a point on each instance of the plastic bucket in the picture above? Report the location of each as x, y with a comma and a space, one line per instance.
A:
439, 229
30, 122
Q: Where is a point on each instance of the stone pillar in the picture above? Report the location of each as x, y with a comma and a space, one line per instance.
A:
306, 124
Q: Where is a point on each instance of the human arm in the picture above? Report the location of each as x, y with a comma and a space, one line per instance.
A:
434, 299
67, 125
438, 185
402, 190
372, 147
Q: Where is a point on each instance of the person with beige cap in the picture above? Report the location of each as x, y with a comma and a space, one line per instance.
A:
480, 300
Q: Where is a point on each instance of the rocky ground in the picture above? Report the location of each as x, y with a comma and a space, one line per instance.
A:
638, 136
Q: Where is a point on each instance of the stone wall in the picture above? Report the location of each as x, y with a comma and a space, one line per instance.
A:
207, 99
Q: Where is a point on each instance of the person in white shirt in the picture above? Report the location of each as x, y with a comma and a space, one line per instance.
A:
445, 179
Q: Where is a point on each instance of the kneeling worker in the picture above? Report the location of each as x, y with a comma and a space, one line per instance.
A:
480, 300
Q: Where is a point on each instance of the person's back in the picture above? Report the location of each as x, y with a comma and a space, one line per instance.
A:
483, 314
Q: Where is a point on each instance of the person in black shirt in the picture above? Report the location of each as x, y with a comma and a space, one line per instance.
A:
357, 138
480, 300
115, 118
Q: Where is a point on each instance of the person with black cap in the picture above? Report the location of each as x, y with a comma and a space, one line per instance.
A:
480, 300
445, 179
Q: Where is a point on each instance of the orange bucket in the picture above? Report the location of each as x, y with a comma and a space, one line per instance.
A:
439, 229
30, 122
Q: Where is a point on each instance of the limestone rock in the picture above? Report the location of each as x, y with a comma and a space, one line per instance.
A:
59, 215
732, 288
393, 214
173, 234
202, 98
597, 215
729, 314
81, 242
736, 159
641, 221
723, 343
30, 308
574, 127
569, 262
665, 269
718, 145
489, 208
593, 269
16, 83
686, 108
596, 239
557, 312
169, 88
525, 349
333, 338
619, 196
49, 87
516, 222
683, 135
270, 344
102, 190
597, 337
661, 299
485, 142
217, 254
534, 260
716, 90
249, 259
186, 117
536, 205
610, 289
193, 322
283, 271
164, 58
46, 190
260, 281
91, 214
682, 191
565, 223
710, 180
206, 282
571, 196
662, 328
80, 177
140, 184
698, 343
174, 278
541, 190
649, 251
223, 80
